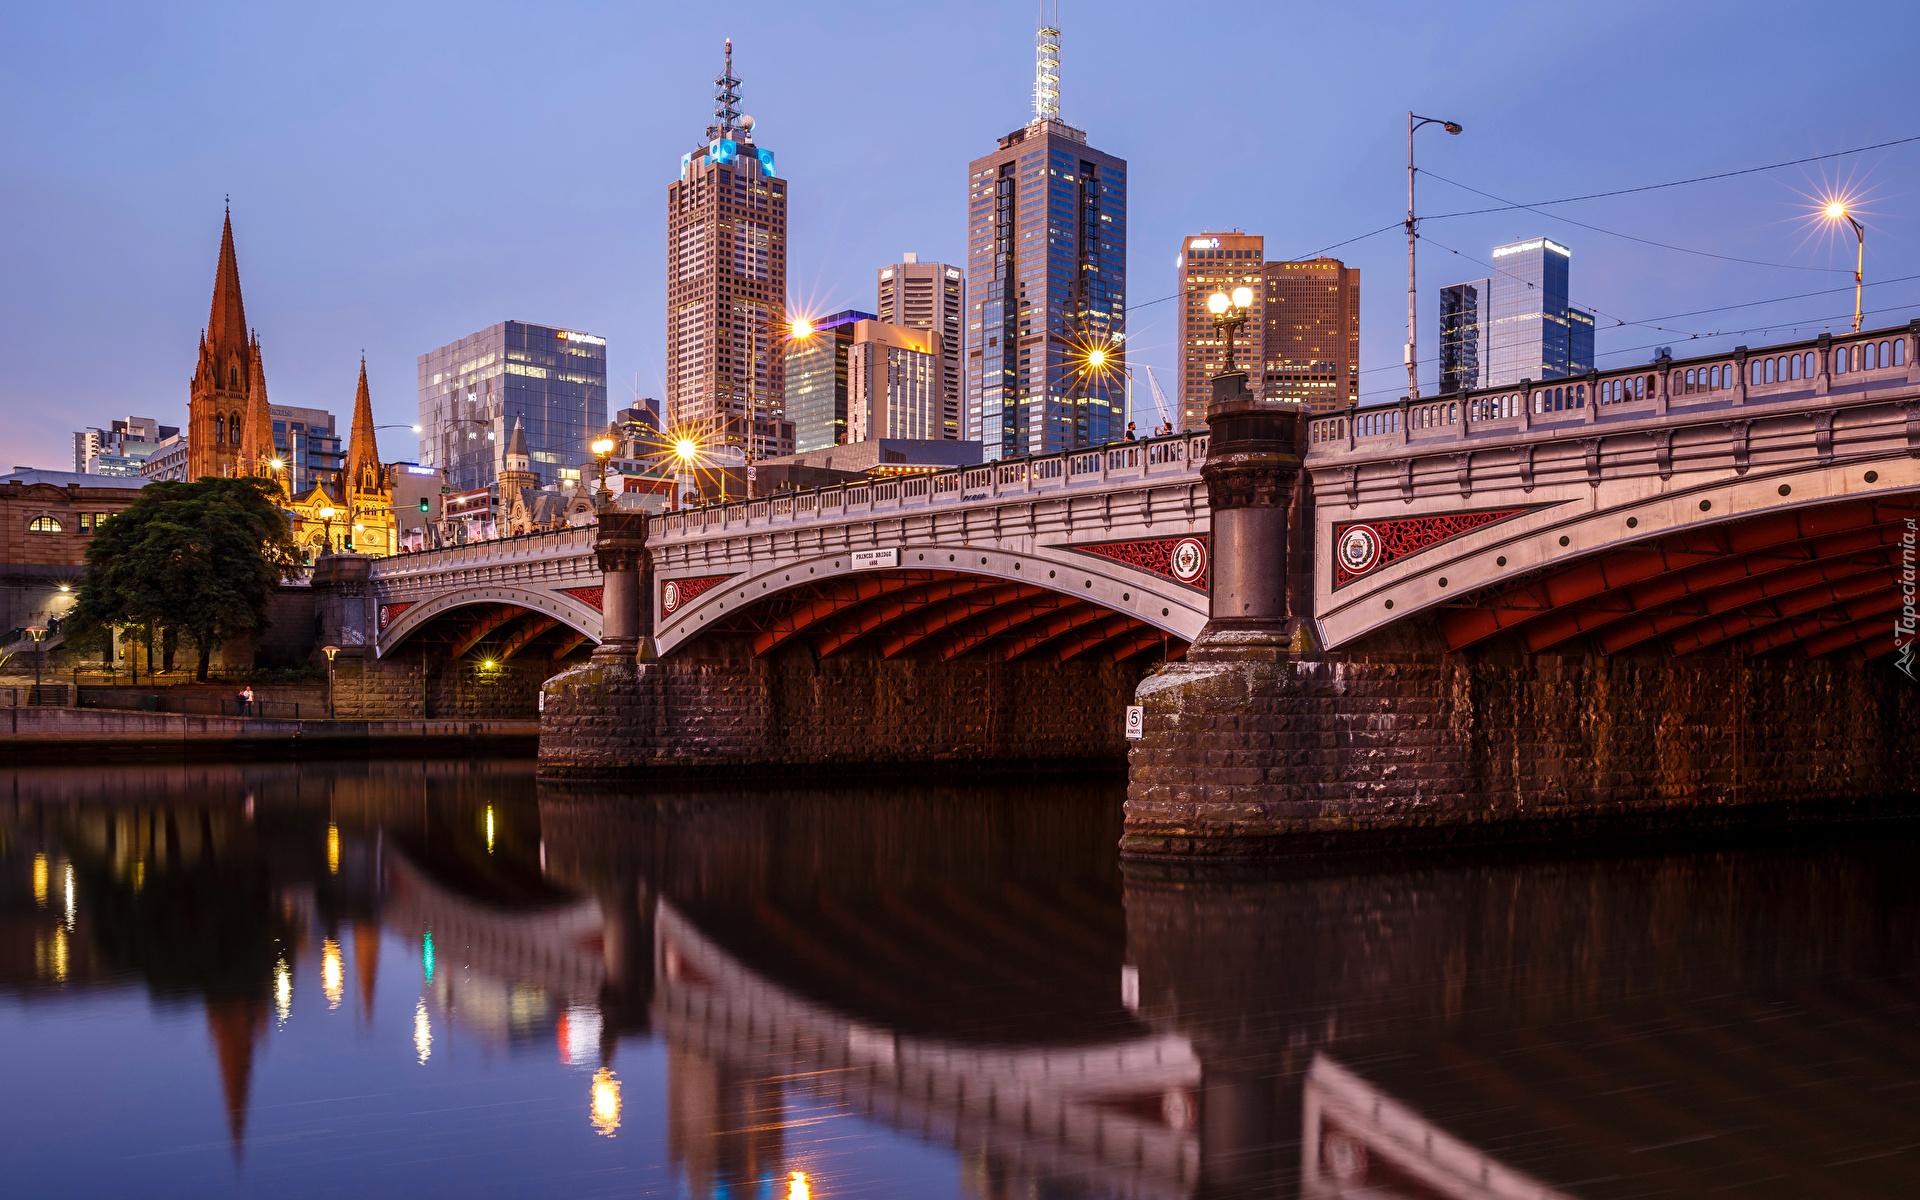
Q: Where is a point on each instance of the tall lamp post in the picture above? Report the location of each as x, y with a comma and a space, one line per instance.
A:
1837, 211
1413, 343
327, 512
38, 633
329, 651
797, 330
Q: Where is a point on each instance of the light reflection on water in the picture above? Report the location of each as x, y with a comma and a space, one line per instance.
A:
407, 979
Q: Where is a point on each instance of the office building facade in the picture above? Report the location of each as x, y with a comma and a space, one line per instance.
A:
1208, 263
1515, 324
120, 448
1310, 340
1046, 282
552, 380
816, 379
727, 286
932, 296
893, 383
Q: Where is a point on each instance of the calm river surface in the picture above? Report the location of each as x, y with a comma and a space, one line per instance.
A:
441, 979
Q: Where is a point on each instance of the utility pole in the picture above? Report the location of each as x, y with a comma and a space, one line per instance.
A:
1413, 342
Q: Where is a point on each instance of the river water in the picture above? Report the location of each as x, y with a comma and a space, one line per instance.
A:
443, 979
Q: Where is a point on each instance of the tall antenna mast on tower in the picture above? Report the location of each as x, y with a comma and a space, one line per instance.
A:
1046, 74
726, 100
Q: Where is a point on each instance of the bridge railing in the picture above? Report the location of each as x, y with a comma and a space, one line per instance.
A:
1168, 458
1858, 364
543, 544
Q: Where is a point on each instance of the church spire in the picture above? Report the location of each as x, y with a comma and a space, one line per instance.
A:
257, 451
363, 455
227, 324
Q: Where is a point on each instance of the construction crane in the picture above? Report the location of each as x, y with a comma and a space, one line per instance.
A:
1159, 397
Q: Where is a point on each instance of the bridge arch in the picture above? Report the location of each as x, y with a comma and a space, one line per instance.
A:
1792, 560
520, 616
937, 599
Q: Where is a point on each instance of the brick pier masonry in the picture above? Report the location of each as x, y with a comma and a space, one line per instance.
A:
1246, 757
738, 716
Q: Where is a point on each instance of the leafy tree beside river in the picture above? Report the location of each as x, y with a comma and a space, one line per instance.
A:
200, 560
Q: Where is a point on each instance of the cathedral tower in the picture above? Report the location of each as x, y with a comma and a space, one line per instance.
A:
217, 401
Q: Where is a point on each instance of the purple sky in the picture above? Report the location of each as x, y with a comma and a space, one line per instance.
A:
405, 174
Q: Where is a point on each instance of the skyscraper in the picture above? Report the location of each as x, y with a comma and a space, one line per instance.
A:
816, 381
1515, 324
472, 391
931, 296
1310, 347
1046, 268
727, 286
1209, 263
893, 383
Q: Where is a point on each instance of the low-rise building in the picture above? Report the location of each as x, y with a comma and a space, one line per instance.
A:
47, 520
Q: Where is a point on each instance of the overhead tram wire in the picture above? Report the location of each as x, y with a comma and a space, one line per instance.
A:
1628, 236
1795, 325
1654, 187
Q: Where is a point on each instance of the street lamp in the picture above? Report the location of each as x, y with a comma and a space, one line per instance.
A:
1229, 314
37, 633
329, 651
797, 330
602, 451
1837, 211
1413, 343
326, 516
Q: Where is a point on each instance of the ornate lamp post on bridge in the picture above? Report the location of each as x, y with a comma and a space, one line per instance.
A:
602, 452
1252, 461
329, 651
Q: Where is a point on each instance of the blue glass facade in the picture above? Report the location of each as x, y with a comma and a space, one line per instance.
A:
1515, 325
1046, 235
816, 382
552, 381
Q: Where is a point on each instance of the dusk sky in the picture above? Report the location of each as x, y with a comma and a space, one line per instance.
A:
406, 174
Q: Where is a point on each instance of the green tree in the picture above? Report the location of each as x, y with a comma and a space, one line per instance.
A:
201, 559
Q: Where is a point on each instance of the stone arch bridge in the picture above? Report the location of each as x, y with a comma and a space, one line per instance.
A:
1721, 538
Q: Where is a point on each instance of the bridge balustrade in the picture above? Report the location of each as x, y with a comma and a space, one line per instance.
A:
1774, 374
1175, 457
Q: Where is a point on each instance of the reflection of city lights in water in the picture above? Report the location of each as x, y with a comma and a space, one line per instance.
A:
578, 1032
606, 1102
331, 976
283, 989
68, 875
797, 1188
333, 849
422, 1032
139, 874
426, 955
40, 880
489, 829
50, 955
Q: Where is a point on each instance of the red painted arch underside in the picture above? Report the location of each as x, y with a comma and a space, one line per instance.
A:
945, 614
1791, 580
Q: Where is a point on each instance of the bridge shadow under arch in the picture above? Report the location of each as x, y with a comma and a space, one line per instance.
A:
937, 615
499, 624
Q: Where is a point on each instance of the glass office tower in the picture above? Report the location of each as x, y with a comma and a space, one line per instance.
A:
1046, 280
552, 381
1515, 325
816, 381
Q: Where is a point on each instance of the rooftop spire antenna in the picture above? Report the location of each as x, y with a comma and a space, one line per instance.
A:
1046, 73
726, 99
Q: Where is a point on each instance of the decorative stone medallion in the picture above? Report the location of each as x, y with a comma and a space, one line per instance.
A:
1364, 547
1188, 560
676, 594
1183, 560
389, 611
